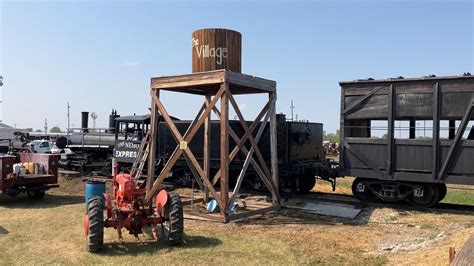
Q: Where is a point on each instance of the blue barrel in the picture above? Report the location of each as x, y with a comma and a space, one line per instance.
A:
94, 188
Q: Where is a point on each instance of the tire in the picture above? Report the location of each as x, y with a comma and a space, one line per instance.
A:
430, 197
13, 194
35, 194
306, 183
443, 190
172, 229
95, 212
366, 196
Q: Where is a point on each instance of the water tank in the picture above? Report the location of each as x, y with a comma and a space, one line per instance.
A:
94, 188
214, 49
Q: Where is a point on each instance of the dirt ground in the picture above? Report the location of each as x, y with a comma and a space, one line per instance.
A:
51, 231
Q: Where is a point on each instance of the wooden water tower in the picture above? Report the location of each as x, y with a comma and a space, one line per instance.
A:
214, 49
217, 80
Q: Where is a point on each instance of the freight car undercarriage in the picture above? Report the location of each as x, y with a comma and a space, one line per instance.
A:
418, 194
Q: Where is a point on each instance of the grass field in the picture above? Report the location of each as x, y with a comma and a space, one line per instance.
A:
459, 196
51, 232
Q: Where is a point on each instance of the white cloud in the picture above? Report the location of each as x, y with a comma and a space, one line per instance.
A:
130, 63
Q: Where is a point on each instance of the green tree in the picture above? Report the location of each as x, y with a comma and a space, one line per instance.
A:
55, 130
29, 129
332, 137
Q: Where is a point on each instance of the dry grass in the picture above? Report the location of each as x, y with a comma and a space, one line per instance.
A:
51, 232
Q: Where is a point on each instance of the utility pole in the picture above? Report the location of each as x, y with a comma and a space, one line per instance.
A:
292, 107
68, 120
45, 126
1, 100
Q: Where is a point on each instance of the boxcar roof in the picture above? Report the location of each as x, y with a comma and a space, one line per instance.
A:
402, 79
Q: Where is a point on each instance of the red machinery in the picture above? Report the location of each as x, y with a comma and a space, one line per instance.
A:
127, 210
33, 183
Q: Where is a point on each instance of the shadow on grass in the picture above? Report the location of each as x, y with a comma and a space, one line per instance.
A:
151, 247
297, 217
49, 201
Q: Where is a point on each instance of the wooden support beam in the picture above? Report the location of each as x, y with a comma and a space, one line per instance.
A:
391, 132
177, 152
202, 217
224, 153
342, 131
254, 163
207, 146
412, 129
452, 129
251, 139
241, 141
456, 142
360, 101
436, 117
266, 180
153, 139
273, 144
251, 213
187, 202
247, 162
466, 255
362, 158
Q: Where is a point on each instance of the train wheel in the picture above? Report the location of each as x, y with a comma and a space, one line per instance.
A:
37, 194
429, 198
443, 190
172, 229
306, 183
361, 191
95, 224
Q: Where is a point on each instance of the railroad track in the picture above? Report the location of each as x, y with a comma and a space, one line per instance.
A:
350, 200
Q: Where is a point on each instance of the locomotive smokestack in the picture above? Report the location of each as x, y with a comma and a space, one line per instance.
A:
112, 117
85, 121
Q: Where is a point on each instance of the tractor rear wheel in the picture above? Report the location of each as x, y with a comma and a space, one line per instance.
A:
35, 194
95, 229
172, 229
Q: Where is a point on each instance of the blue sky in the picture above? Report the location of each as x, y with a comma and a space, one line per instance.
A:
100, 55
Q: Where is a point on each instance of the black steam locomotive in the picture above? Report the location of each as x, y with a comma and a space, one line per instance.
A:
300, 150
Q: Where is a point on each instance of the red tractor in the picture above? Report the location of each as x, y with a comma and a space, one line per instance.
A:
127, 210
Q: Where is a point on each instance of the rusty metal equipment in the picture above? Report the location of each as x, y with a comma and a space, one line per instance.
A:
403, 166
41, 174
213, 86
128, 210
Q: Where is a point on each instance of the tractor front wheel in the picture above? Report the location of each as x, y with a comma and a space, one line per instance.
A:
172, 229
95, 224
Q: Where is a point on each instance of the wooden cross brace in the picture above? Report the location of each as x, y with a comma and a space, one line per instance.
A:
193, 163
202, 175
